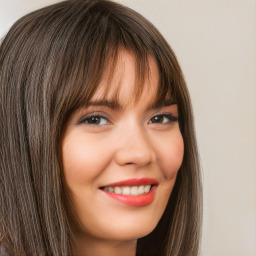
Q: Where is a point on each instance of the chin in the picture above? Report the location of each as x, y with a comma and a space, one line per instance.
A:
131, 230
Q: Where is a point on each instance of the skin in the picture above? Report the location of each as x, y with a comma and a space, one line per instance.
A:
125, 143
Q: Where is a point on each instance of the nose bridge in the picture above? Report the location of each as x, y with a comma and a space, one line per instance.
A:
135, 147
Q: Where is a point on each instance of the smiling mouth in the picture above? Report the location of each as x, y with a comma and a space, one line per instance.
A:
129, 190
133, 192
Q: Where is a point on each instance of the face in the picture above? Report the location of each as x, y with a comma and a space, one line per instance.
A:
121, 158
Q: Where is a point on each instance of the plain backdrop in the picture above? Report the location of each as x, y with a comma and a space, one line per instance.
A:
215, 42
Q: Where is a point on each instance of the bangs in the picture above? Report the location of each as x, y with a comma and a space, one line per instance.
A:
97, 40
114, 70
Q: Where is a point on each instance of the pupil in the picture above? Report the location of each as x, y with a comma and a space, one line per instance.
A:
94, 120
158, 119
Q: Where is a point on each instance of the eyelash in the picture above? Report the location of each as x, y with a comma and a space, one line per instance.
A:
170, 118
86, 118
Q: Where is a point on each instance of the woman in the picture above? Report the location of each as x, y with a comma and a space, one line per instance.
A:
98, 152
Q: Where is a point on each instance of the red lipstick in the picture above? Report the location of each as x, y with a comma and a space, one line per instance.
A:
134, 200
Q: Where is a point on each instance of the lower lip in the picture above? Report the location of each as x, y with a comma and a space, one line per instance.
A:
140, 200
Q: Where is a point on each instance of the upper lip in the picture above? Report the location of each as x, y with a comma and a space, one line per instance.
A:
133, 182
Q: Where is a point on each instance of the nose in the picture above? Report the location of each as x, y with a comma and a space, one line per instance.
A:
135, 148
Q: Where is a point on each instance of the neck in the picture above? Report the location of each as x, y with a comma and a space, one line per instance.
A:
85, 247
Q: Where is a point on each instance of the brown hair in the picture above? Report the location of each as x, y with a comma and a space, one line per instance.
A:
51, 63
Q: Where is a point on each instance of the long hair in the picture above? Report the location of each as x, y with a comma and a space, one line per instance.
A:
51, 63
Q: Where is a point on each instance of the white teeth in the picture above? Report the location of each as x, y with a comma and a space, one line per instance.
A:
117, 190
132, 190
141, 190
147, 188
126, 190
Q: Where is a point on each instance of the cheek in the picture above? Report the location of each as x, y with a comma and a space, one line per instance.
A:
83, 159
170, 155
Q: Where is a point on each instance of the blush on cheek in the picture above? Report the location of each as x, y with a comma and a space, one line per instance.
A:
171, 174
174, 162
79, 159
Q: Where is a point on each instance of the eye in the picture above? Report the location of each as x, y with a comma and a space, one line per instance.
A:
94, 120
163, 119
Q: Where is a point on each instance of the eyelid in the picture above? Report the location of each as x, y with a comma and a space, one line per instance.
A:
93, 114
171, 117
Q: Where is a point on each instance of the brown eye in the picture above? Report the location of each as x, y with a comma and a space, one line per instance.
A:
157, 119
163, 119
95, 120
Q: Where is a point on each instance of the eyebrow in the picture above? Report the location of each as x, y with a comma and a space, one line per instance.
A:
115, 105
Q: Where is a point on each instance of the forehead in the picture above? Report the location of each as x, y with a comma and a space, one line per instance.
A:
122, 82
